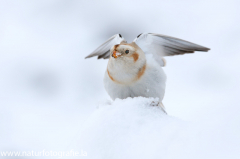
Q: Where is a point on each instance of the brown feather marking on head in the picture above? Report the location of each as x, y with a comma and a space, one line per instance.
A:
116, 46
135, 56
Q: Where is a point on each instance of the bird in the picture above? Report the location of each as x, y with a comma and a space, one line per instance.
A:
135, 69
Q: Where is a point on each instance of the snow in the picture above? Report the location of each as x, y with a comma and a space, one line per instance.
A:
132, 128
118, 54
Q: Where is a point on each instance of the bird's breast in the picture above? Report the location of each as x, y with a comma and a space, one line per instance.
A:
126, 75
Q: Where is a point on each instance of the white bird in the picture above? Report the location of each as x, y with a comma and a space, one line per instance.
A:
135, 69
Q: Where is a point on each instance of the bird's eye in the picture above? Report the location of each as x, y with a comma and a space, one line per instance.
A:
127, 51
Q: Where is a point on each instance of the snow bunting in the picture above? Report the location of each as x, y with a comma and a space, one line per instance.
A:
135, 69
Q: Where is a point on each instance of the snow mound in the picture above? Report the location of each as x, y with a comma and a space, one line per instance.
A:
133, 128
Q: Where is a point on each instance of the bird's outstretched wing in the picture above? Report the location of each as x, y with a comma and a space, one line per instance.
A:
103, 51
162, 45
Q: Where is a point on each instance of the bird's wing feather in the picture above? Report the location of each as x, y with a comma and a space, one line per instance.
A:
162, 45
103, 51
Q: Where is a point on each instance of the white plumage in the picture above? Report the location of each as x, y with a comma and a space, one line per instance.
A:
150, 84
134, 69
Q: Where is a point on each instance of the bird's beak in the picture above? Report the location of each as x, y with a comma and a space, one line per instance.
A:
116, 54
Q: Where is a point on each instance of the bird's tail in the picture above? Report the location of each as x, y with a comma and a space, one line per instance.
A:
162, 106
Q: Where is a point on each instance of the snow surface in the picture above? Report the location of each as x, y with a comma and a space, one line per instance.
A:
132, 128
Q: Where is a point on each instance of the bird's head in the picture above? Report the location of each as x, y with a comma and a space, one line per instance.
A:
122, 50
125, 51
126, 62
